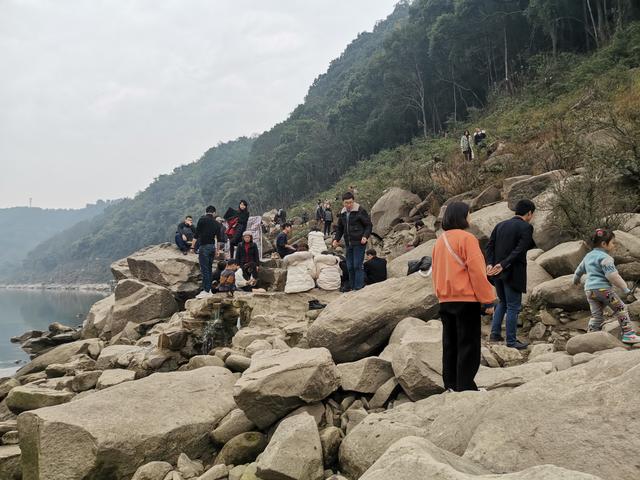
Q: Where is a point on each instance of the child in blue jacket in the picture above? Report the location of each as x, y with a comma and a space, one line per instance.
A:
602, 276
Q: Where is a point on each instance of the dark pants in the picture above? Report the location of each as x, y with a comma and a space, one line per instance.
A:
460, 344
467, 155
206, 256
510, 304
182, 245
236, 239
355, 265
327, 228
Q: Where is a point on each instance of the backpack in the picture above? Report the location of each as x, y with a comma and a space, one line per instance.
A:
422, 265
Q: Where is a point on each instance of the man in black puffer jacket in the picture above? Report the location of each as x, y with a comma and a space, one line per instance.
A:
354, 225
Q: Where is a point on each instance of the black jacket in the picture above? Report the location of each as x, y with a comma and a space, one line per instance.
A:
508, 246
254, 254
208, 230
375, 270
186, 230
358, 225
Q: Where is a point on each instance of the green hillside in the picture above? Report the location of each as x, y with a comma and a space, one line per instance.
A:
390, 110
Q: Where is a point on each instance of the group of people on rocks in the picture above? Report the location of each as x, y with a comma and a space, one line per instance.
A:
468, 142
469, 283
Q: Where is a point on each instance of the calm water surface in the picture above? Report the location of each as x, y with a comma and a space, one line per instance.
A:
22, 310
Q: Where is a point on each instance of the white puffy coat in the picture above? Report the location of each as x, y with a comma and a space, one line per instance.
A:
316, 243
328, 272
301, 272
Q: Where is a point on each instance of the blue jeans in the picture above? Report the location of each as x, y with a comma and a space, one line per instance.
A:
205, 256
510, 304
182, 245
355, 266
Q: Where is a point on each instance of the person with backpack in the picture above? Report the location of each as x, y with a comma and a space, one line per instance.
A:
354, 225
461, 285
328, 220
602, 276
506, 255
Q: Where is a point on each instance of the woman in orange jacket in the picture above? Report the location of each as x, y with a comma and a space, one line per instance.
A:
461, 285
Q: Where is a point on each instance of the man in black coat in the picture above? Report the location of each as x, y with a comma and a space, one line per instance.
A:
507, 268
355, 226
375, 268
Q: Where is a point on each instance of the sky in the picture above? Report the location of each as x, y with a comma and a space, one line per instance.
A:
99, 97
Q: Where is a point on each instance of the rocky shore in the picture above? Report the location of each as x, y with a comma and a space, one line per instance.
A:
158, 385
80, 287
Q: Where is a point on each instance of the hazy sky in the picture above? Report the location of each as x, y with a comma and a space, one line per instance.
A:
98, 97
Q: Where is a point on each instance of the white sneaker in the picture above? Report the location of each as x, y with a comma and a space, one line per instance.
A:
204, 294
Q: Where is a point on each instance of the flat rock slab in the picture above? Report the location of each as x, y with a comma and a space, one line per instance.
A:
31, 397
60, 354
10, 462
592, 342
110, 433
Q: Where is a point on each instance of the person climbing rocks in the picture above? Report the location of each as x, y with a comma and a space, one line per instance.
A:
506, 255
602, 276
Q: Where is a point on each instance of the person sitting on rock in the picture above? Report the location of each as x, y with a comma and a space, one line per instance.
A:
184, 235
423, 234
228, 277
375, 268
602, 276
248, 253
215, 276
328, 272
316, 241
301, 270
282, 241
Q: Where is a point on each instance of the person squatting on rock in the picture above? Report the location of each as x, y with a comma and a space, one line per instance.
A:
466, 146
228, 277
184, 235
208, 231
354, 225
315, 239
602, 276
375, 268
461, 285
506, 255
248, 255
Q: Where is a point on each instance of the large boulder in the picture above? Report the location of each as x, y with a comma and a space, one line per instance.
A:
366, 375
627, 247
99, 317
417, 360
448, 420
392, 207
491, 378
413, 454
398, 266
560, 293
592, 342
10, 462
632, 224
59, 354
531, 187
546, 233
120, 270
165, 265
358, 324
564, 419
137, 301
483, 221
563, 259
32, 397
152, 423
294, 452
536, 275
279, 381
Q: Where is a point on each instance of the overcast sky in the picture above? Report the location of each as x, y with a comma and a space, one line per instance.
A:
98, 97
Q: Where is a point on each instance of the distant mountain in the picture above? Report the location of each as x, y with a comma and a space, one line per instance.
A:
24, 228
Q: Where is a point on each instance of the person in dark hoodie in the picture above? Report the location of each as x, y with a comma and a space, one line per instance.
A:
354, 225
248, 255
237, 221
375, 268
184, 235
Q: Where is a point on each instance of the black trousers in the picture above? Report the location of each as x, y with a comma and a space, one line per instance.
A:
460, 344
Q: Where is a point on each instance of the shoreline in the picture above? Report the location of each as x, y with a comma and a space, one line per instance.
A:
77, 287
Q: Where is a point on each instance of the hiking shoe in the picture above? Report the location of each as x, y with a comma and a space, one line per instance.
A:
630, 338
184, 252
345, 289
518, 345
496, 338
204, 294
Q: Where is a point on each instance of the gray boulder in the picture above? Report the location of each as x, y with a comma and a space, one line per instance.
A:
546, 233
592, 342
99, 318
120, 270
242, 449
484, 220
235, 423
10, 462
563, 259
152, 424
560, 293
153, 471
627, 247
392, 207
59, 354
531, 187
357, 324
364, 376
398, 266
32, 397
279, 381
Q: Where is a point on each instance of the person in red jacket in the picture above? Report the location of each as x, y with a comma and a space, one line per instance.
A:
461, 285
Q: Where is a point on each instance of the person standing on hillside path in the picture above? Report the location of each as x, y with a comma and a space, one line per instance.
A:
355, 226
208, 231
507, 267
328, 219
319, 213
466, 146
461, 285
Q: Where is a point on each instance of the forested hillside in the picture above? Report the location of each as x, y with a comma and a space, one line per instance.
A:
25, 227
419, 75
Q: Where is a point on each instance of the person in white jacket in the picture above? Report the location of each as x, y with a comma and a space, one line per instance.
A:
316, 242
301, 271
328, 272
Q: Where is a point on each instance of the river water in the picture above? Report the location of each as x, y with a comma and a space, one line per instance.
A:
22, 310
